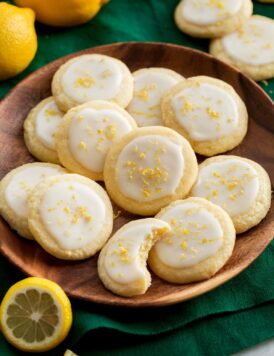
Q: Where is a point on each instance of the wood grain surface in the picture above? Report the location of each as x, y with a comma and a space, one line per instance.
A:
79, 279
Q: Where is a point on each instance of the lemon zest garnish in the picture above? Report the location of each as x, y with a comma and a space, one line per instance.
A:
146, 193
212, 114
130, 164
223, 180
51, 112
217, 3
83, 145
154, 107
75, 219
216, 174
142, 155
85, 82
204, 241
143, 93
116, 215
172, 221
67, 210
188, 106
123, 254
183, 245
110, 132
185, 231
232, 185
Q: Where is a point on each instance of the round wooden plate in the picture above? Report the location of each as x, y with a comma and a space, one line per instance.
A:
79, 279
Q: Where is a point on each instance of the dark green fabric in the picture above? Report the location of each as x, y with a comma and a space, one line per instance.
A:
232, 317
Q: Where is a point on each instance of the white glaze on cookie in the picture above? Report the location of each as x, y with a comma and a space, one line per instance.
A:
92, 77
253, 43
149, 87
73, 214
21, 185
195, 235
205, 111
150, 167
46, 123
233, 184
126, 250
208, 12
93, 132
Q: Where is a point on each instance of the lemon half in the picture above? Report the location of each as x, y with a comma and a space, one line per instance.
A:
35, 315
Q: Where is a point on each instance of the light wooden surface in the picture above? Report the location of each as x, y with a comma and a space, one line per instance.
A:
79, 279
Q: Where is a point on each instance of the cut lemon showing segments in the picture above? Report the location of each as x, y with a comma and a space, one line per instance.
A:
35, 315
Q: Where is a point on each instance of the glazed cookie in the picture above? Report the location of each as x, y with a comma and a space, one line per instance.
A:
70, 216
122, 261
201, 241
211, 18
92, 77
208, 113
240, 186
148, 168
150, 84
86, 134
15, 188
250, 48
39, 130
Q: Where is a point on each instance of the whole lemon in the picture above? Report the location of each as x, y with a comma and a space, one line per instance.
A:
63, 12
18, 40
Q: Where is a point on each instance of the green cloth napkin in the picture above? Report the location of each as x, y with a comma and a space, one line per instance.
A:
232, 317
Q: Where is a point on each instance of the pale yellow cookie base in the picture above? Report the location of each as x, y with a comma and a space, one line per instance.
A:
34, 145
207, 147
151, 207
42, 236
137, 287
262, 203
65, 103
258, 72
206, 268
16, 222
62, 144
218, 29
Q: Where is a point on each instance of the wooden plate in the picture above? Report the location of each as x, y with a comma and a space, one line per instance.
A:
79, 279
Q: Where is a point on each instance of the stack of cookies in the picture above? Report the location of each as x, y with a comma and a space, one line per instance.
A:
138, 133
237, 37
